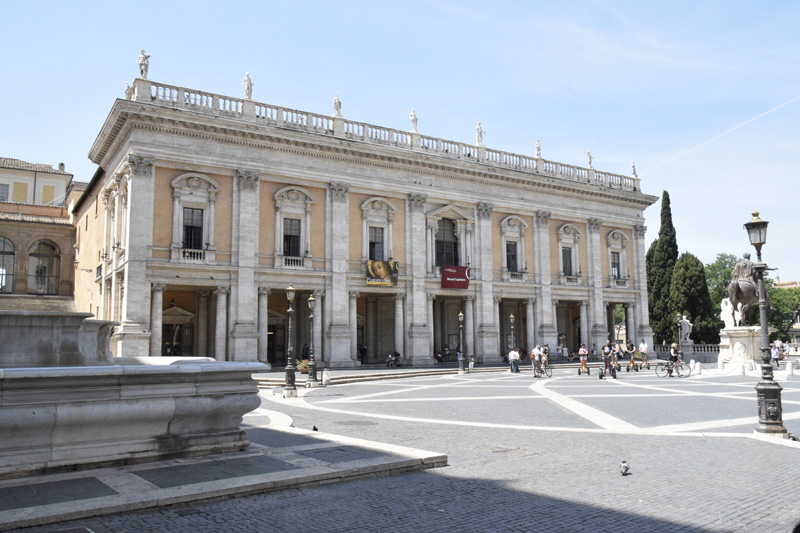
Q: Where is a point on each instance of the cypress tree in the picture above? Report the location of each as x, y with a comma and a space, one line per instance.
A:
660, 261
689, 296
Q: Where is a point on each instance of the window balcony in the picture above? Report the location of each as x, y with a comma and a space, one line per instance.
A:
515, 276
293, 262
571, 279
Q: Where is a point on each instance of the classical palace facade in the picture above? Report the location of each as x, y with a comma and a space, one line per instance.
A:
205, 208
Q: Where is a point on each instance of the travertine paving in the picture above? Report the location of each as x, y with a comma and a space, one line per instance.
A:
531, 454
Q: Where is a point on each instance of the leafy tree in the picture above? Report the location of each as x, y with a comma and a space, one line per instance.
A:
718, 276
784, 304
689, 296
660, 261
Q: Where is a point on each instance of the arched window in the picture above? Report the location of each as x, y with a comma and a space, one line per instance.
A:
43, 267
6, 265
446, 243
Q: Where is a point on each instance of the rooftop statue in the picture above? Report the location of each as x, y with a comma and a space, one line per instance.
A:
413, 118
538, 149
479, 135
589, 159
248, 86
337, 106
144, 64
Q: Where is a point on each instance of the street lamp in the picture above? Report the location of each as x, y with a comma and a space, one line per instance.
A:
312, 364
768, 392
513, 344
461, 343
289, 390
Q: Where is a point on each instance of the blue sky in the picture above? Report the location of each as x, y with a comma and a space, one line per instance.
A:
703, 95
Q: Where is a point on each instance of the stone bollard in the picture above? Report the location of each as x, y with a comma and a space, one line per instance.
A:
789, 368
698, 368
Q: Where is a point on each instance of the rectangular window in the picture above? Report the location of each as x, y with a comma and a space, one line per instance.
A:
566, 259
376, 244
615, 272
511, 256
291, 237
3, 193
19, 192
48, 194
192, 228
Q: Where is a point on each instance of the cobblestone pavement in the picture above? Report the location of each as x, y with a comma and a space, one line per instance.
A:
530, 454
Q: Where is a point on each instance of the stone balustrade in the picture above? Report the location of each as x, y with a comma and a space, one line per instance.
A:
269, 115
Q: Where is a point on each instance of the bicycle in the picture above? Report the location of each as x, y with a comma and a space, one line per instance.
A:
678, 367
542, 368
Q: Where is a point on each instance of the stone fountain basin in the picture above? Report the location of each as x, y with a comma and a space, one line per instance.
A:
139, 409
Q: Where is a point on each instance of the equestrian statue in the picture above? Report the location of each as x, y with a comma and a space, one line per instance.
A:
743, 288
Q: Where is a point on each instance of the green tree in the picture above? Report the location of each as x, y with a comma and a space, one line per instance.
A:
718, 276
689, 296
784, 304
660, 261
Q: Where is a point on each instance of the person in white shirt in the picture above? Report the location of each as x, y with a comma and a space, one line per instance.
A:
513, 360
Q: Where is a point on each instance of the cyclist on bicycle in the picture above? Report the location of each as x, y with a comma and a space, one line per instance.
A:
673, 357
536, 358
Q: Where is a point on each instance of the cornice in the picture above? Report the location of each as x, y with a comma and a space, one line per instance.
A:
350, 152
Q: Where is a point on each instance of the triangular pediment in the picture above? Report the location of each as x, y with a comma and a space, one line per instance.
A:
450, 211
176, 315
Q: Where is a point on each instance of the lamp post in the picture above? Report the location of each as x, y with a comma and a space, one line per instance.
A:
289, 390
460, 343
312, 364
768, 392
513, 344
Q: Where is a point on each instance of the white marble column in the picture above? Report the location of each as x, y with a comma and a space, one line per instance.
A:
630, 323
244, 335
133, 338
353, 323
202, 323
584, 324
469, 327
156, 319
221, 333
431, 299
501, 345
398, 323
263, 325
370, 325
337, 249
638, 274
529, 324
316, 326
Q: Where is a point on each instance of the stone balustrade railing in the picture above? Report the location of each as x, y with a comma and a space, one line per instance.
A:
251, 111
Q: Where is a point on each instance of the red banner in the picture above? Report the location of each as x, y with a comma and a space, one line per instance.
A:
455, 277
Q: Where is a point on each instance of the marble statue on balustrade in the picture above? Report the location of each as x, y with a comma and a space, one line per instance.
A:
538, 152
479, 135
337, 106
633, 170
413, 118
685, 330
248, 86
128, 91
589, 159
144, 64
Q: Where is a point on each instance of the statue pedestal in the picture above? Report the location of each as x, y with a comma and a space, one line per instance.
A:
740, 345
